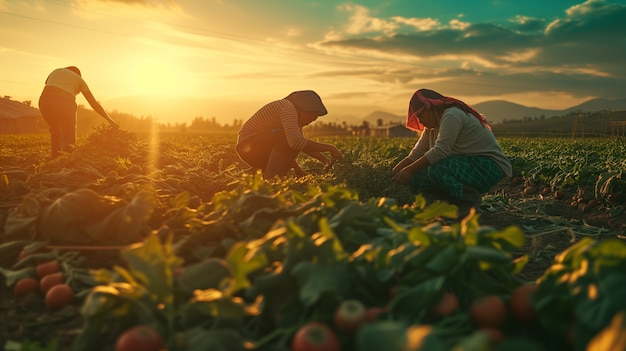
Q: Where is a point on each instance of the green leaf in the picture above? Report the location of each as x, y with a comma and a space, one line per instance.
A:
153, 264
202, 339
394, 336
413, 303
316, 279
383, 335
12, 277
447, 258
211, 273
243, 263
214, 303
326, 234
613, 337
488, 257
436, 209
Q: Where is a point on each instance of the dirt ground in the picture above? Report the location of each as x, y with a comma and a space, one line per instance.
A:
551, 226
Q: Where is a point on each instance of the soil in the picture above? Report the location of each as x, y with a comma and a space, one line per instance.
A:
551, 225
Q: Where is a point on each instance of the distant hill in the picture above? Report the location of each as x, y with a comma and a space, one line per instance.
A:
384, 117
497, 111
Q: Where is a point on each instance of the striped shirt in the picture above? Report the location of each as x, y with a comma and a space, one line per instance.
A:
277, 116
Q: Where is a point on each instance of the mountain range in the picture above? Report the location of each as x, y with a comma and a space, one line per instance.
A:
498, 111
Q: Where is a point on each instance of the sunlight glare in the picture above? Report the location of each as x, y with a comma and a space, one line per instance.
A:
155, 77
153, 153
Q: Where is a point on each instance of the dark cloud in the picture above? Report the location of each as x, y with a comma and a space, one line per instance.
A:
581, 53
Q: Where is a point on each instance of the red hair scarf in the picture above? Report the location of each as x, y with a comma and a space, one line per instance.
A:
436, 100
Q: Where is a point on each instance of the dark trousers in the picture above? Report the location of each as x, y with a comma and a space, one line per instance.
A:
60, 115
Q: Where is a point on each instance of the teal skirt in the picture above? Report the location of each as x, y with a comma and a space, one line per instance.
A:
451, 174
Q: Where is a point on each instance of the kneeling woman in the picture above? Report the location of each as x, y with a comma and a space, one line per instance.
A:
457, 157
272, 138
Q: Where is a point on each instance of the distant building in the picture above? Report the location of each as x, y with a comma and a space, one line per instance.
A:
16, 117
391, 130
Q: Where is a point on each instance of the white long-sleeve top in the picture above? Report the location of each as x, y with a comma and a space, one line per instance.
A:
459, 133
67, 81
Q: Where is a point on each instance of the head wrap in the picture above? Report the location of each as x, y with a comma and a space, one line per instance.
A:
307, 101
426, 98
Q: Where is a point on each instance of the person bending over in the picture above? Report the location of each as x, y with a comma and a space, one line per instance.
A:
57, 105
456, 157
272, 138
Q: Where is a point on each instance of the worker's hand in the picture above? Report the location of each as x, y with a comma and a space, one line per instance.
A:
403, 176
113, 123
335, 154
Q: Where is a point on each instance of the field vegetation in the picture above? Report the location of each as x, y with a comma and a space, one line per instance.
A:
140, 241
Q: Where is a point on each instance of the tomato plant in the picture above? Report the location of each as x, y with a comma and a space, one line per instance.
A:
315, 336
350, 315
372, 313
139, 338
447, 305
489, 311
521, 303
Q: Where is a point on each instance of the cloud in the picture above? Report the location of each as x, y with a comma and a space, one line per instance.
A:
582, 47
153, 9
361, 22
150, 3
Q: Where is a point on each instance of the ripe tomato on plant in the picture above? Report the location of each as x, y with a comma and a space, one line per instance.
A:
313, 336
350, 315
139, 338
59, 296
25, 286
372, 313
488, 311
521, 303
50, 280
447, 305
43, 269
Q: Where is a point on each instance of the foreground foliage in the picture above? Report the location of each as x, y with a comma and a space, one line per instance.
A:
222, 260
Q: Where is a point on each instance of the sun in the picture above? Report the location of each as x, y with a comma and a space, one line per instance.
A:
154, 76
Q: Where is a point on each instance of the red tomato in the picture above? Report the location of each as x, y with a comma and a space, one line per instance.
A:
139, 338
314, 336
488, 311
448, 304
350, 315
43, 269
521, 303
50, 280
372, 313
59, 296
25, 286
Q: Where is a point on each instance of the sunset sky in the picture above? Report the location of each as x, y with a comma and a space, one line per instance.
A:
178, 59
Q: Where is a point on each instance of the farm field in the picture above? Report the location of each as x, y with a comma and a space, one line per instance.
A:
169, 231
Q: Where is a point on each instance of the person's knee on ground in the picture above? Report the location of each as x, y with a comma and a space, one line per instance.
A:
280, 162
471, 199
